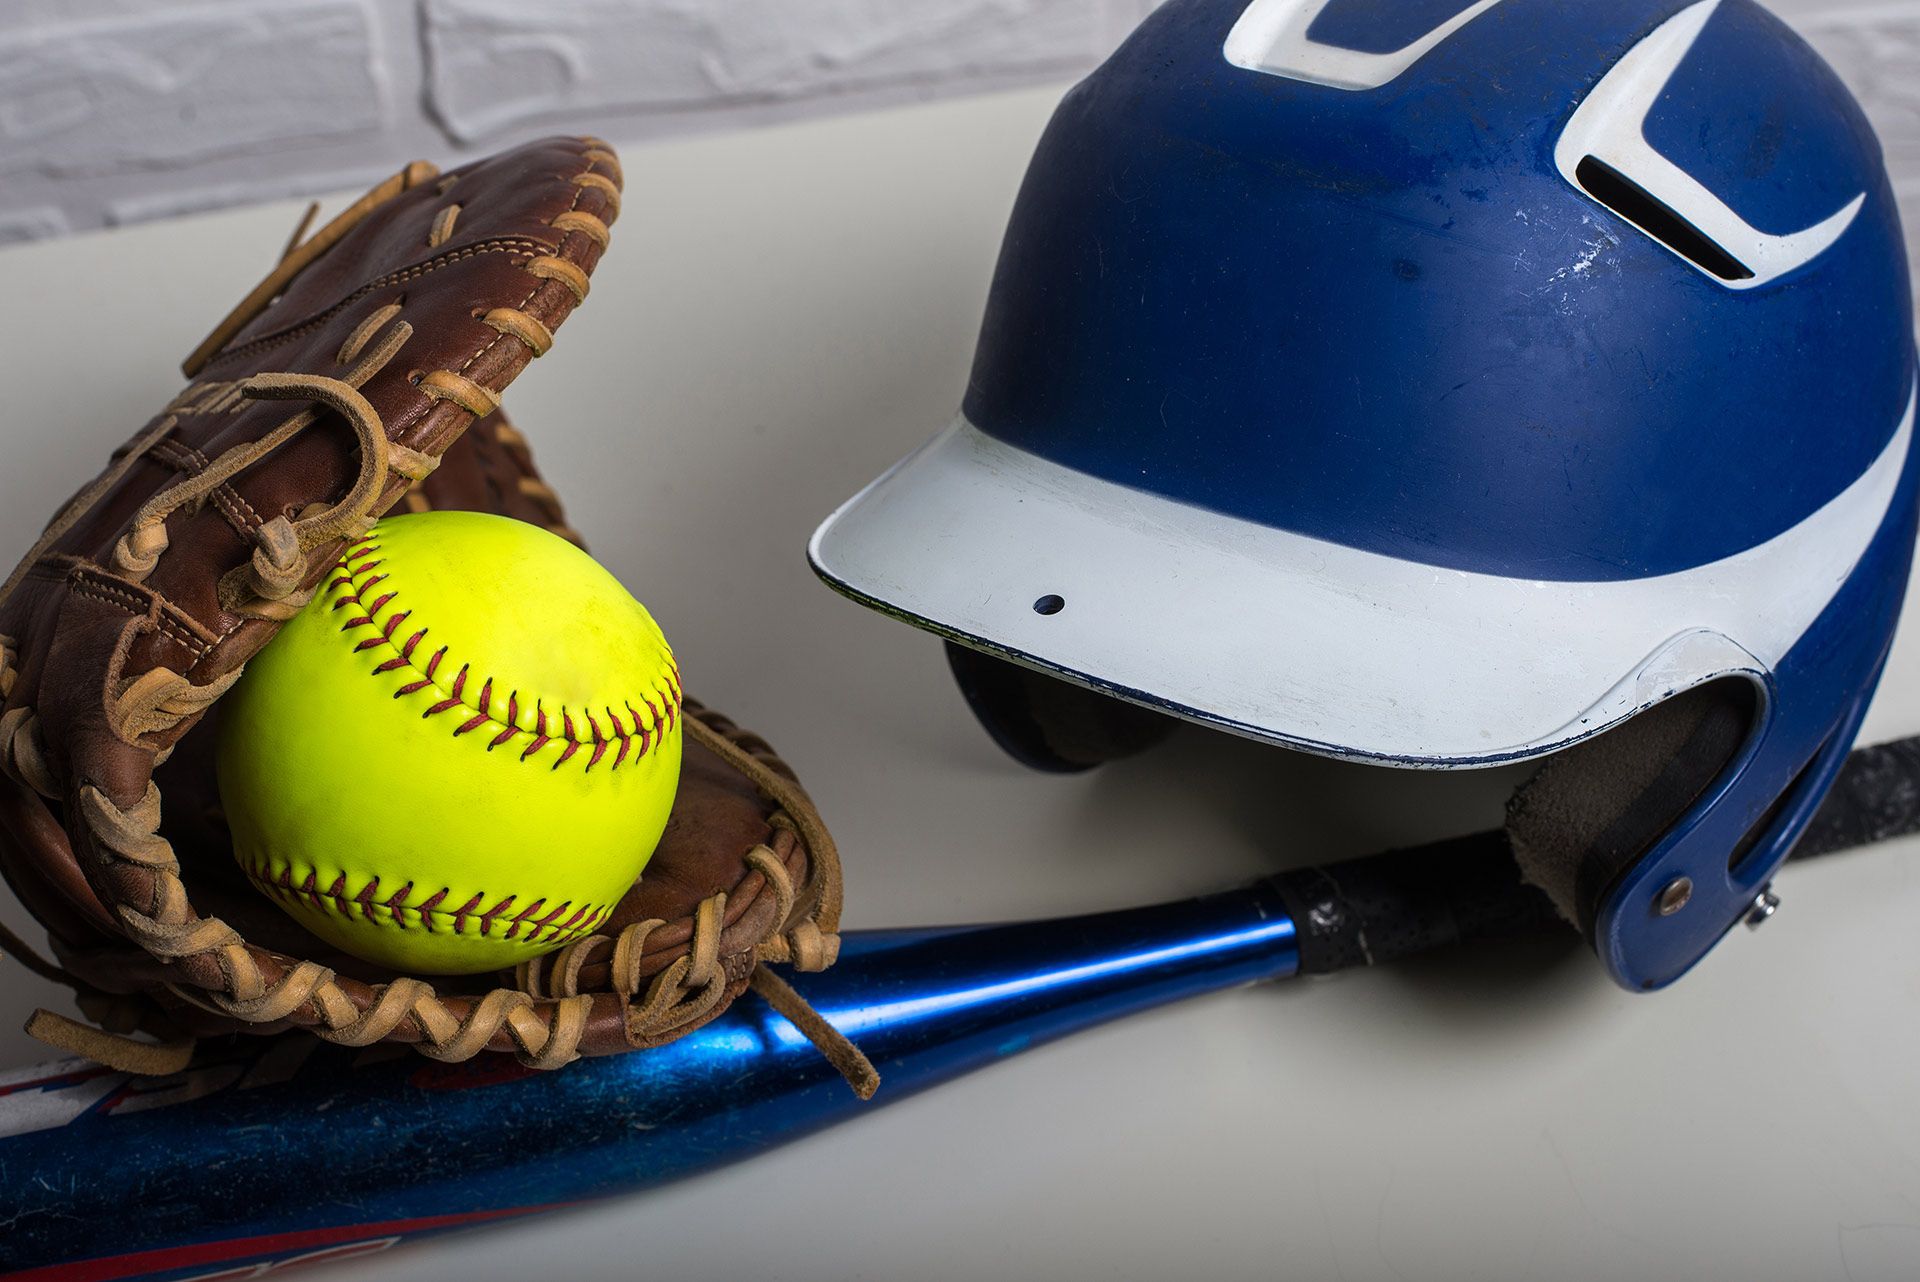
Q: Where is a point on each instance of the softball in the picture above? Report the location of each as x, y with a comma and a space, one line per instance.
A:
460, 754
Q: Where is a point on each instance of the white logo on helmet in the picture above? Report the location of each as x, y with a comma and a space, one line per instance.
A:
1604, 152
1271, 37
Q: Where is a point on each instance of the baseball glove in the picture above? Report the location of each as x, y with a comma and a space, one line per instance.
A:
364, 372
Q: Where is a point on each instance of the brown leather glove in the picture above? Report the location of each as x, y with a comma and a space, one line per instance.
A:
350, 380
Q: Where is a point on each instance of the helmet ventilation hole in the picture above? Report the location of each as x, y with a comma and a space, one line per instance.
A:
1050, 604
1659, 220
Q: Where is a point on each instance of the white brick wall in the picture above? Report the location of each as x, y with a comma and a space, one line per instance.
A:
112, 111
181, 86
496, 64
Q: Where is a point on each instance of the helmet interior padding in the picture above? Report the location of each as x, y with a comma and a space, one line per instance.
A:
1590, 812
1048, 724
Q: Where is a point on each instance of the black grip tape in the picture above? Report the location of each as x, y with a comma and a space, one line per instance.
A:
1876, 798
1375, 910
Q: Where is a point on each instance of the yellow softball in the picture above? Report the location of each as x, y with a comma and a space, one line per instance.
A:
461, 753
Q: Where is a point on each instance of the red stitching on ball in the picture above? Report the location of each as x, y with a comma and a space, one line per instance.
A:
355, 585
367, 903
629, 744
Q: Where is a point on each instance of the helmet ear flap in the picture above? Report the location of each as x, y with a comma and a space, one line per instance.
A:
1049, 724
1593, 811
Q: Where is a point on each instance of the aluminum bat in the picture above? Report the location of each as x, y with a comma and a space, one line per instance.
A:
339, 1153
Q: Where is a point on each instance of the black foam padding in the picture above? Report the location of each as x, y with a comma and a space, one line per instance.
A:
1592, 812
1051, 724
1875, 798
1725, 720
1374, 910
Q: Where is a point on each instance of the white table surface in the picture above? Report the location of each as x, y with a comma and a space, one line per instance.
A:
782, 315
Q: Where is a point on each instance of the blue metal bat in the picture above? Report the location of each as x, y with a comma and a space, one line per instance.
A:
339, 1152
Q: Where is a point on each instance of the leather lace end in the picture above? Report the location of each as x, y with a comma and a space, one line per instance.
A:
143, 1059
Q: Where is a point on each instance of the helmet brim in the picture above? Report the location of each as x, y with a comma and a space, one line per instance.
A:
1308, 643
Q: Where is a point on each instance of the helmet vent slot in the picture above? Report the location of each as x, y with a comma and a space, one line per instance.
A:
1659, 220
1767, 825
1050, 604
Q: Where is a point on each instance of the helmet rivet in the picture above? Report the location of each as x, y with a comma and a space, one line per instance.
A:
1764, 906
1677, 895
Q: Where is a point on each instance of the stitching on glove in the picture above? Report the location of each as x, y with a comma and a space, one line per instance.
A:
121, 599
583, 183
598, 182
369, 904
507, 246
359, 581
185, 459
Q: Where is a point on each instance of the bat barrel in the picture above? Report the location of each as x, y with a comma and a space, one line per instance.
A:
292, 1149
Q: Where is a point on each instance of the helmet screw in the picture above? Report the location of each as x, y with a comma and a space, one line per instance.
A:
1765, 905
1677, 895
